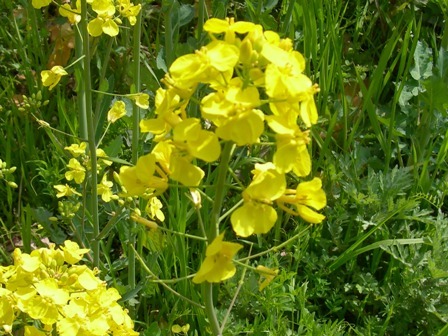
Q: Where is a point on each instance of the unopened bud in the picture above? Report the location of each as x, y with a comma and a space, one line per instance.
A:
13, 184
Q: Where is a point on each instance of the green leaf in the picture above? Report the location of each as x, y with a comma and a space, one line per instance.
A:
423, 62
186, 14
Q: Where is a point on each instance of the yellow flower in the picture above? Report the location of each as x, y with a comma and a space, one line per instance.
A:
129, 10
45, 305
233, 111
65, 190
177, 165
77, 150
76, 172
101, 154
177, 329
183, 171
103, 7
268, 275
307, 198
103, 25
218, 265
199, 143
52, 77
137, 180
7, 313
168, 108
292, 153
141, 100
206, 65
104, 189
256, 215
72, 14
229, 27
72, 252
253, 217
40, 3
267, 183
117, 111
153, 209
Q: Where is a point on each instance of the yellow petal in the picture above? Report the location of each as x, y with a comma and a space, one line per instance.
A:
253, 218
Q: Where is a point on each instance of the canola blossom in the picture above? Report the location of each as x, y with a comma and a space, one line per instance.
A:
68, 299
105, 16
256, 87
218, 265
52, 77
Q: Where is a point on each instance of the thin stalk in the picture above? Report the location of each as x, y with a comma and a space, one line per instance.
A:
201, 19
135, 137
87, 95
79, 51
220, 192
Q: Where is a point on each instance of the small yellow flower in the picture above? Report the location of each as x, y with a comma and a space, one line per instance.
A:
77, 172
65, 190
101, 155
72, 252
141, 100
218, 265
153, 209
77, 150
117, 111
129, 10
104, 189
40, 3
257, 215
72, 14
137, 180
177, 329
307, 198
52, 77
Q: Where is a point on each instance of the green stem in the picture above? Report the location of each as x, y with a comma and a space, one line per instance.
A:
220, 192
79, 51
87, 94
200, 24
135, 137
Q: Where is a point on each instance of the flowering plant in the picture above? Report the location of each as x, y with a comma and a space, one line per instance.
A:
48, 286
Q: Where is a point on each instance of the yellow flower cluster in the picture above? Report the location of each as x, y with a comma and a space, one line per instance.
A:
107, 14
252, 78
78, 166
47, 286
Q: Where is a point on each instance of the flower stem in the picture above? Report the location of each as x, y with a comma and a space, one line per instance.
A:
220, 192
135, 137
87, 95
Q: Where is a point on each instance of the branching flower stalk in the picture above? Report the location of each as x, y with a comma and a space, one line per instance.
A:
135, 140
87, 98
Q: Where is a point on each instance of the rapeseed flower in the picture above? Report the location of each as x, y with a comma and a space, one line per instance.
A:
139, 179
117, 111
77, 150
257, 215
65, 190
40, 3
105, 189
52, 77
128, 10
218, 265
77, 172
233, 111
307, 198
72, 14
